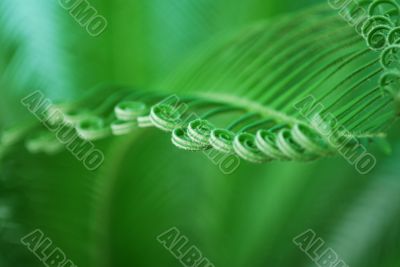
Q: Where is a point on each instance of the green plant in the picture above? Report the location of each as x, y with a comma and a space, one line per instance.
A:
250, 87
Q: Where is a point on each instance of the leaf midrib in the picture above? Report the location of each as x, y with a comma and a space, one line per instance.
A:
265, 111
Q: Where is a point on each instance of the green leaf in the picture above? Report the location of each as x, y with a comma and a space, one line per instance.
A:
261, 94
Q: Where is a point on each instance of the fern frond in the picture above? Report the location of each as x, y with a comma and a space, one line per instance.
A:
263, 94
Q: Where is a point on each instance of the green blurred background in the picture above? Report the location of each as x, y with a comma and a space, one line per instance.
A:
111, 217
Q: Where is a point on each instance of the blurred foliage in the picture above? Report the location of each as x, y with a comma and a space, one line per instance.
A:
111, 217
